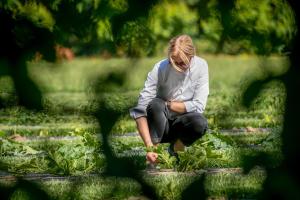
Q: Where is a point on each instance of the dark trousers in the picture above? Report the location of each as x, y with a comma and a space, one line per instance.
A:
187, 127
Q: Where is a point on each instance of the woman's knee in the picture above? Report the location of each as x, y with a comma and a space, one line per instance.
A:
156, 105
198, 124
194, 125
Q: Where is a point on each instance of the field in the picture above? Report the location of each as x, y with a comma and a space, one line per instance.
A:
61, 146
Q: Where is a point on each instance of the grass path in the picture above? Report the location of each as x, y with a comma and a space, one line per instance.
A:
228, 183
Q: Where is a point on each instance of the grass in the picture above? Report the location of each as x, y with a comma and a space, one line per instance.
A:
87, 188
69, 99
247, 139
235, 186
169, 186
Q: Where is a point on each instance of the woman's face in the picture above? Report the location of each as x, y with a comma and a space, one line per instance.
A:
180, 64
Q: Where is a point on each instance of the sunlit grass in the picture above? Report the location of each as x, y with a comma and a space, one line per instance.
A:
168, 186
69, 100
68, 87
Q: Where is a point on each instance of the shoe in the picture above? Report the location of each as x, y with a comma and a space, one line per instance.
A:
172, 152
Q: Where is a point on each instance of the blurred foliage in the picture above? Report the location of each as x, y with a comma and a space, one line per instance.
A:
167, 21
111, 27
272, 22
135, 40
252, 26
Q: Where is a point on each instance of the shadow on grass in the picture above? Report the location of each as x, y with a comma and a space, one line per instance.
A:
282, 182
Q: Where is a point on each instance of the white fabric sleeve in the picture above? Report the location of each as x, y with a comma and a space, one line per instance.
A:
147, 94
198, 103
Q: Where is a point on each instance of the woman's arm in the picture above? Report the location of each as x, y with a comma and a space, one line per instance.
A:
198, 103
143, 129
176, 106
147, 94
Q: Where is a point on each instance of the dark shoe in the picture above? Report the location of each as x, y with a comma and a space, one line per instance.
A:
172, 152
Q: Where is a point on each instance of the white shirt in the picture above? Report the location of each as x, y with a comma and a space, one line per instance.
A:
164, 82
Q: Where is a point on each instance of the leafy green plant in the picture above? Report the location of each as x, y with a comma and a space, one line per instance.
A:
165, 160
10, 147
69, 159
216, 146
212, 146
82, 157
192, 159
195, 157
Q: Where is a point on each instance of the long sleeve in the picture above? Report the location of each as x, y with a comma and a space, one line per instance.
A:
198, 103
147, 94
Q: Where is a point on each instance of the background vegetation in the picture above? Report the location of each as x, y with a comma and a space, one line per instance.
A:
42, 100
97, 29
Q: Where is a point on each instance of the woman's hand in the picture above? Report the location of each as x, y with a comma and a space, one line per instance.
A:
152, 157
176, 106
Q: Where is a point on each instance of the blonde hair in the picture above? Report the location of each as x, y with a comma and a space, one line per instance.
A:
181, 47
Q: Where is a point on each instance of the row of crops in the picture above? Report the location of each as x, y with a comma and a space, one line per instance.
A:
64, 140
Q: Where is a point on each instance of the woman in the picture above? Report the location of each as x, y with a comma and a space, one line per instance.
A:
171, 104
